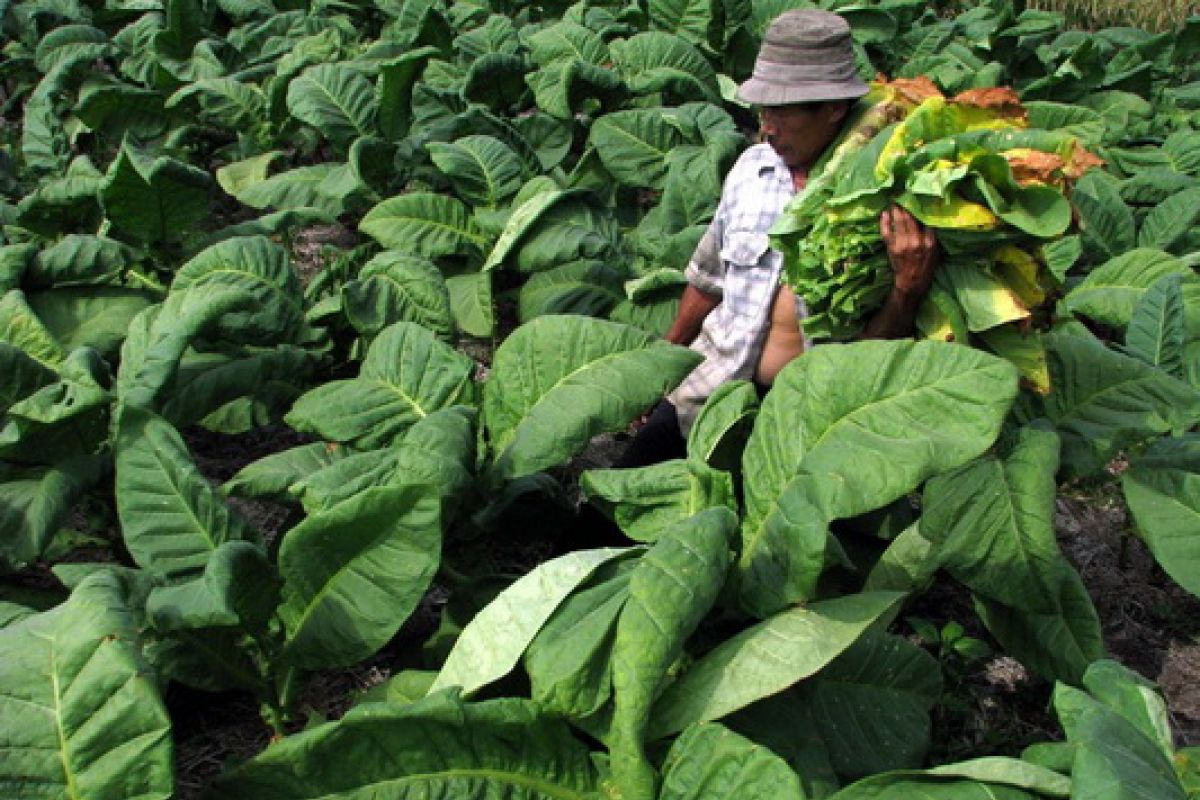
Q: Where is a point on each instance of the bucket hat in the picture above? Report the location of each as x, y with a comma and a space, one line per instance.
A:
806, 56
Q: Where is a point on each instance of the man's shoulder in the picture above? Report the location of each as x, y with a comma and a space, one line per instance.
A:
756, 157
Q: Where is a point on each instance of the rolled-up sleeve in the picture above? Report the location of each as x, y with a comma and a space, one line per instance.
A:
706, 271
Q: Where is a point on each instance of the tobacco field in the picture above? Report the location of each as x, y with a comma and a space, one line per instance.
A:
789, 612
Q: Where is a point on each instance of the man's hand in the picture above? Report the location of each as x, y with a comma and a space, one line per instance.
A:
912, 250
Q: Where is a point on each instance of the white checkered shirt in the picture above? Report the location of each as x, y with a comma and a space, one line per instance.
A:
734, 259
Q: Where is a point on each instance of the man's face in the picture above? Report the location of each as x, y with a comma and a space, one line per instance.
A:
800, 132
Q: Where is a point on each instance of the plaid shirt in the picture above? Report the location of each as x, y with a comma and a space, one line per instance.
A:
734, 260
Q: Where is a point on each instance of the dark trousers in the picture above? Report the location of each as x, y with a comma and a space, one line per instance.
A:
657, 441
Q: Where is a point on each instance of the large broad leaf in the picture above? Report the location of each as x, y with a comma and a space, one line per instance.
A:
670, 590
1134, 698
871, 705
64, 419
1111, 292
172, 519
79, 259
1113, 759
406, 375
336, 100
1057, 645
559, 380
1107, 223
1104, 401
154, 199
439, 746
438, 451
567, 41
711, 762
993, 523
67, 205
238, 587
82, 715
271, 476
23, 374
635, 145
35, 502
396, 80
21, 328
767, 659
424, 224
354, 573
1162, 488
1171, 224
848, 429
392, 288
646, 501
984, 779
483, 170
662, 62
96, 317
326, 187
590, 288
226, 102
1157, 331
492, 643
255, 265
471, 303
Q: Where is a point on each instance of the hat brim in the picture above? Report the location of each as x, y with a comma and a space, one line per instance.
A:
764, 93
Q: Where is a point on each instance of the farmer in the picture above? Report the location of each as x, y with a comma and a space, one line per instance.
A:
733, 310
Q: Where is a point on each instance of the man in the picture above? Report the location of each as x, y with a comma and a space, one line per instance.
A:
733, 310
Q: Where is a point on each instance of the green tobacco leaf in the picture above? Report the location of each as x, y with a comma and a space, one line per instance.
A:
906, 565
480, 656
986, 301
207, 383
471, 303
241, 175
1113, 759
992, 523
1106, 223
590, 288
1171, 224
406, 375
226, 102
871, 705
79, 259
835, 439
1157, 331
711, 762
396, 80
208, 659
97, 317
559, 380
259, 267
336, 100
353, 574
172, 519
1162, 488
70, 204
1134, 698
483, 170
21, 328
83, 717
646, 501
982, 779
766, 659
64, 419
1111, 292
670, 590
635, 145
239, 587
718, 436
439, 746
1105, 401
23, 375
36, 501
565, 41
326, 187
655, 61
422, 224
154, 199
437, 451
271, 476
391, 288
1058, 645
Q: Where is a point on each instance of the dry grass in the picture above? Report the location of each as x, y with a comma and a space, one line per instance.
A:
1160, 15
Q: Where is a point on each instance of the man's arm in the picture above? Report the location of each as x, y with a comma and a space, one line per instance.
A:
694, 306
912, 251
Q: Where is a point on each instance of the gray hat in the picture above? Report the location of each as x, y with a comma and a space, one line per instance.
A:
806, 56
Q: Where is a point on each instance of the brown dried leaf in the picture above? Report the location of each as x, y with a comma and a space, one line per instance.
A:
1034, 165
1081, 161
1001, 99
915, 90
